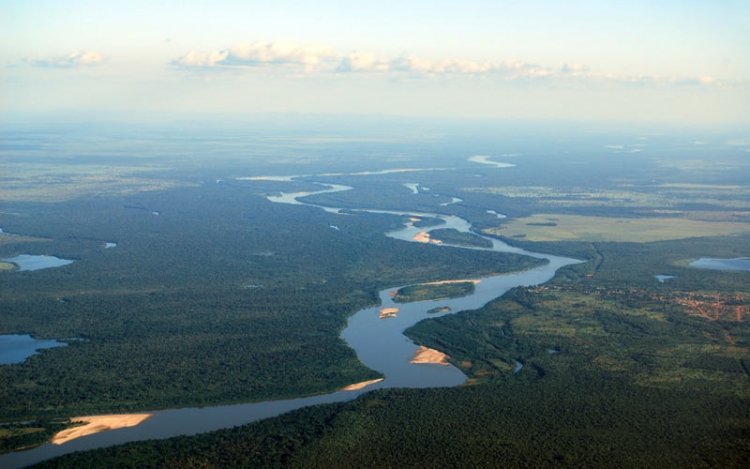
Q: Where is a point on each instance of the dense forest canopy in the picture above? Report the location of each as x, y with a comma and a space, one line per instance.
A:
214, 294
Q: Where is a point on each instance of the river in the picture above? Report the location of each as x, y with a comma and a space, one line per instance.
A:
379, 343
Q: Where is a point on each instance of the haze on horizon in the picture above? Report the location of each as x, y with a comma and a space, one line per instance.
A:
671, 61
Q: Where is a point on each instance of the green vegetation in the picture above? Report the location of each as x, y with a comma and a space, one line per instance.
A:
439, 309
212, 300
546, 227
7, 266
634, 380
428, 222
54, 181
21, 436
433, 291
166, 317
452, 236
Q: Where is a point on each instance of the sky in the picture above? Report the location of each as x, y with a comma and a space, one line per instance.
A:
591, 60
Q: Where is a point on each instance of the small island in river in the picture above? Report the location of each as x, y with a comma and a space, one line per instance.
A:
435, 291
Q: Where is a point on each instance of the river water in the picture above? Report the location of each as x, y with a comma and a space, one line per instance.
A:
379, 343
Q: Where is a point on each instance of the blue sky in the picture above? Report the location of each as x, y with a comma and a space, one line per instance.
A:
665, 61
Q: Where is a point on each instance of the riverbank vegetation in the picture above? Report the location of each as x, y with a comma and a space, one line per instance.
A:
452, 236
433, 291
26, 435
212, 295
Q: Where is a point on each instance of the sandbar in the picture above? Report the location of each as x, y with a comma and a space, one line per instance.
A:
97, 424
442, 282
429, 355
424, 237
388, 313
362, 385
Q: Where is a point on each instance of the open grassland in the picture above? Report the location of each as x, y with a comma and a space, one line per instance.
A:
59, 182
549, 227
643, 198
10, 239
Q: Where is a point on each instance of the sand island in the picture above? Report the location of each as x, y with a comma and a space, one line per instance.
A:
362, 385
388, 313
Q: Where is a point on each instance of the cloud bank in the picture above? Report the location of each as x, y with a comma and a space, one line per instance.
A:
366, 62
312, 58
258, 54
75, 60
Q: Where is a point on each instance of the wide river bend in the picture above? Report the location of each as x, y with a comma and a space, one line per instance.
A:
379, 343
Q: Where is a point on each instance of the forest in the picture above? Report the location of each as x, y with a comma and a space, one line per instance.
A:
609, 379
213, 295
189, 308
423, 292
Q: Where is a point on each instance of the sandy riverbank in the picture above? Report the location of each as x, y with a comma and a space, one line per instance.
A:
97, 424
428, 355
362, 385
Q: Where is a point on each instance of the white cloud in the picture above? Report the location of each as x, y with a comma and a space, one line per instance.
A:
648, 80
417, 65
201, 59
363, 62
315, 57
78, 59
574, 68
307, 56
366, 62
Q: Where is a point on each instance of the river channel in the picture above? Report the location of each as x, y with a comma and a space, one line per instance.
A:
379, 343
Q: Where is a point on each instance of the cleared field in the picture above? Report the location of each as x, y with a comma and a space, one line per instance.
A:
10, 239
58, 182
546, 227
651, 197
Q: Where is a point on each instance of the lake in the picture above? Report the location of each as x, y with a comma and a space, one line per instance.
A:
17, 348
740, 263
31, 262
